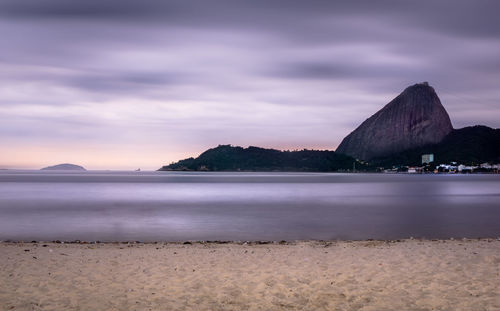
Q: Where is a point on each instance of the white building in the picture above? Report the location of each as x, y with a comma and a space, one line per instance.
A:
427, 158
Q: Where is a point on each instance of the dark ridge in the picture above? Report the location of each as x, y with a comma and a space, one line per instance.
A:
231, 158
469, 145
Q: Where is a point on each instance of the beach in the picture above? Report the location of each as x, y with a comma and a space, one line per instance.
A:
335, 275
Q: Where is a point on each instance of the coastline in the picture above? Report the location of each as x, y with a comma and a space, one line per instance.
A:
248, 242
412, 274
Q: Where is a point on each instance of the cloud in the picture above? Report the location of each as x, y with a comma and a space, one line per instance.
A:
190, 74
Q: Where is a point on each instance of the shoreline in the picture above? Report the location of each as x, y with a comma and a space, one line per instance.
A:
302, 275
252, 242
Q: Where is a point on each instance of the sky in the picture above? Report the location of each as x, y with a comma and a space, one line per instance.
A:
120, 84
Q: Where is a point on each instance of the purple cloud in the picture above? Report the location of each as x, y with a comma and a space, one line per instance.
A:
97, 80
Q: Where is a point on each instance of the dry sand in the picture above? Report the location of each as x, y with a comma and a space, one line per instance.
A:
370, 275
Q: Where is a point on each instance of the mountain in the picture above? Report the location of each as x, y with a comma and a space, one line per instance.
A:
413, 119
468, 145
229, 158
64, 167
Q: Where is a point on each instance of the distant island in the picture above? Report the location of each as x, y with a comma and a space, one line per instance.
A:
397, 136
64, 167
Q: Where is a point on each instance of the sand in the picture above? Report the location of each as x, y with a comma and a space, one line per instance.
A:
363, 275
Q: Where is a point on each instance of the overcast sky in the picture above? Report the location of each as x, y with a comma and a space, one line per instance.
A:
125, 84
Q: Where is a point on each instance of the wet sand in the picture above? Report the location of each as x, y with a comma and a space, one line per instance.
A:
362, 275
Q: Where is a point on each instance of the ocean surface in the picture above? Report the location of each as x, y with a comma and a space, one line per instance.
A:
180, 206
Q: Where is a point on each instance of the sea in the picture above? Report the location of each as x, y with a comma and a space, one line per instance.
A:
234, 206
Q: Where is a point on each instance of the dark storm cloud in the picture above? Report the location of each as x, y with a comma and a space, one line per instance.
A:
335, 71
84, 9
260, 72
475, 18
131, 82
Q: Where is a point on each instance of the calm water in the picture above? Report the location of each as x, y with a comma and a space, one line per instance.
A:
174, 206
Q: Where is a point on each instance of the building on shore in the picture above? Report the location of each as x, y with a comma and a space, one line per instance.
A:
427, 158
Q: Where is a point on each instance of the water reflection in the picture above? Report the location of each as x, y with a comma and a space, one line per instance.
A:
245, 206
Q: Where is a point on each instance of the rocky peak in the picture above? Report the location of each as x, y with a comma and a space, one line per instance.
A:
413, 119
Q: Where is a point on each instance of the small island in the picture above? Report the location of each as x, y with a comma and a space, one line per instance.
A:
64, 167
